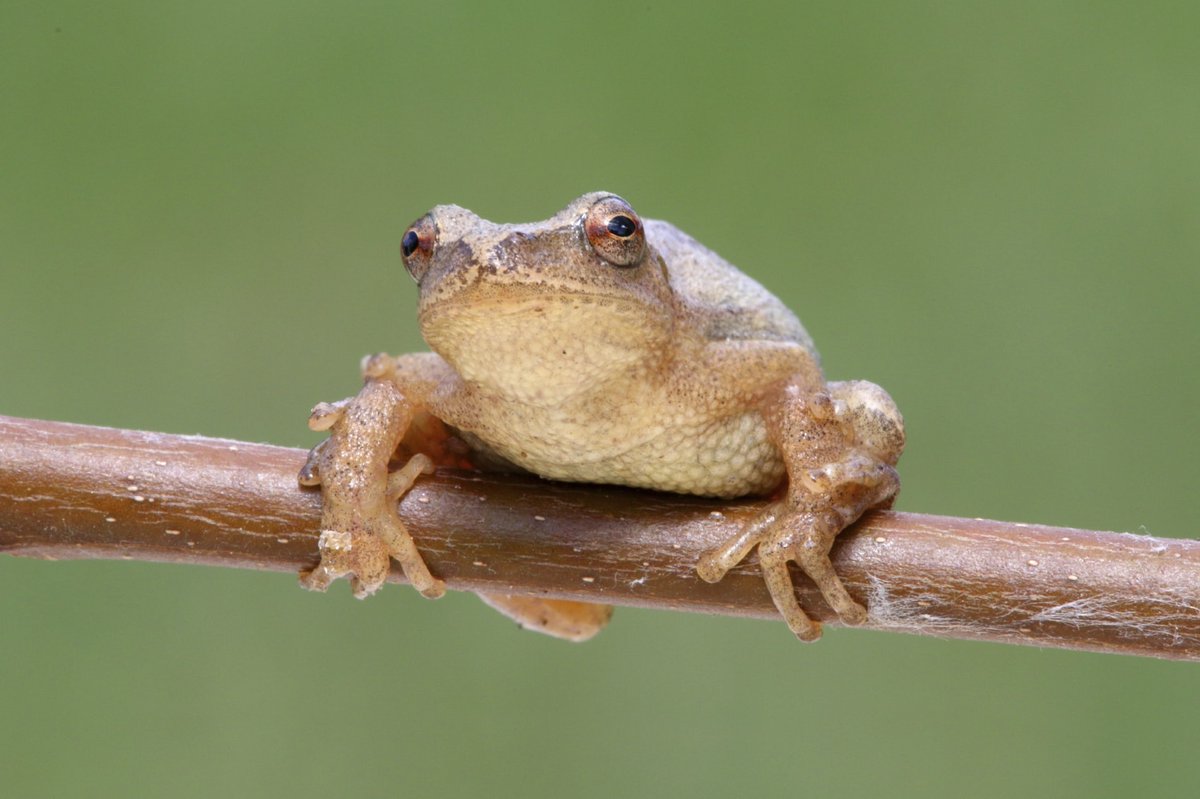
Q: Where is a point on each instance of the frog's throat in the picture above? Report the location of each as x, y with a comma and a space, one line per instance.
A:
545, 350
544, 319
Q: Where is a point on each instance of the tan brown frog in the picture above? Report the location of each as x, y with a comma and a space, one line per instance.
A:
599, 347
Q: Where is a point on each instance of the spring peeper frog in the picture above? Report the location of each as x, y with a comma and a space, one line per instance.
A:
601, 347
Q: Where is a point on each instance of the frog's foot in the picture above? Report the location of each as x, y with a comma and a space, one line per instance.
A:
784, 534
361, 531
802, 528
560, 618
362, 545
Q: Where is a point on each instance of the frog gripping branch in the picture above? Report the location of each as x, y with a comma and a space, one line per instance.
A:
598, 347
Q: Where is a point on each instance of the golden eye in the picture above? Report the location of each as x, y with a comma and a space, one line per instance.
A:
615, 232
416, 247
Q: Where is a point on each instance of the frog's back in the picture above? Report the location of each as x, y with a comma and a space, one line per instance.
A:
729, 304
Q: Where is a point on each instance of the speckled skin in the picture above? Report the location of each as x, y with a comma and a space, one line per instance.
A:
633, 355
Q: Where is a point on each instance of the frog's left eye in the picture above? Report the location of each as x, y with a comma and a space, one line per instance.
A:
416, 246
615, 232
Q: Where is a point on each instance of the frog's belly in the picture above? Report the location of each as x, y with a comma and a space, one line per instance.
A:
728, 457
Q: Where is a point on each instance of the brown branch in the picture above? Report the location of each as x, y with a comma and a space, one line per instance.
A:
71, 491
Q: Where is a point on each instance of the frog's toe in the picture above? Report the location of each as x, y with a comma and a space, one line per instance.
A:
325, 415
378, 365
363, 588
776, 547
806, 539
359, 554
310, 472
402, 479
315, 579
784, 534
773, 559
715, 563
395, 536
710, 569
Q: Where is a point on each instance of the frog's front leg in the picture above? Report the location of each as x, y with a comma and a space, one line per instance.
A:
361, 531
840, 446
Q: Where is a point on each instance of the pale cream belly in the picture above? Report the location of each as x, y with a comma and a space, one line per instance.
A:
729, 457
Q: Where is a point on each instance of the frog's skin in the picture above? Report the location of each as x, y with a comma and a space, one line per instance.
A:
602, 348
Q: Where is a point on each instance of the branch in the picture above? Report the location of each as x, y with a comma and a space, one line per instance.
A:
75, 492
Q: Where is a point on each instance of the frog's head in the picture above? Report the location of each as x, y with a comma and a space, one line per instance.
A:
542, 310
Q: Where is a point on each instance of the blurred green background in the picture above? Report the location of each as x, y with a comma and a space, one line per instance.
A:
991, 209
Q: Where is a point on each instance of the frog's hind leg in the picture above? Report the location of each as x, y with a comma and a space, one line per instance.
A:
560, 618
840, 448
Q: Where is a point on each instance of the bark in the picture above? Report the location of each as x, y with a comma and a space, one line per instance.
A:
75, 492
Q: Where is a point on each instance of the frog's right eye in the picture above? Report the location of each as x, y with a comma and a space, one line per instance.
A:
416, 246
409, 244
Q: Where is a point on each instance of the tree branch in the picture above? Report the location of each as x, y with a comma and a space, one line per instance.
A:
71, 491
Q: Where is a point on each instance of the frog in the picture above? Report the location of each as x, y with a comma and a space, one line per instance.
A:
600, 347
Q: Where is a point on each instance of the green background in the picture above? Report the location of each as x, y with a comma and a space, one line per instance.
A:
993, 210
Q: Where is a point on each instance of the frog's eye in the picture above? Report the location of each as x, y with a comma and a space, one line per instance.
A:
410, 243
615, 232
416, 246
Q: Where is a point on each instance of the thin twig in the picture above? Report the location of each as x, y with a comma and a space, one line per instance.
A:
72, 491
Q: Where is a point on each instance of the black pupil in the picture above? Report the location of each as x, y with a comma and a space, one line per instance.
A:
409, 243
621, 225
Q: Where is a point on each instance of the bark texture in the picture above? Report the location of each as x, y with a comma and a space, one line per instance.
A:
75, 492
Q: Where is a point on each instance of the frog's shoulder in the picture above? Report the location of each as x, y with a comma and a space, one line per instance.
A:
728, 303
